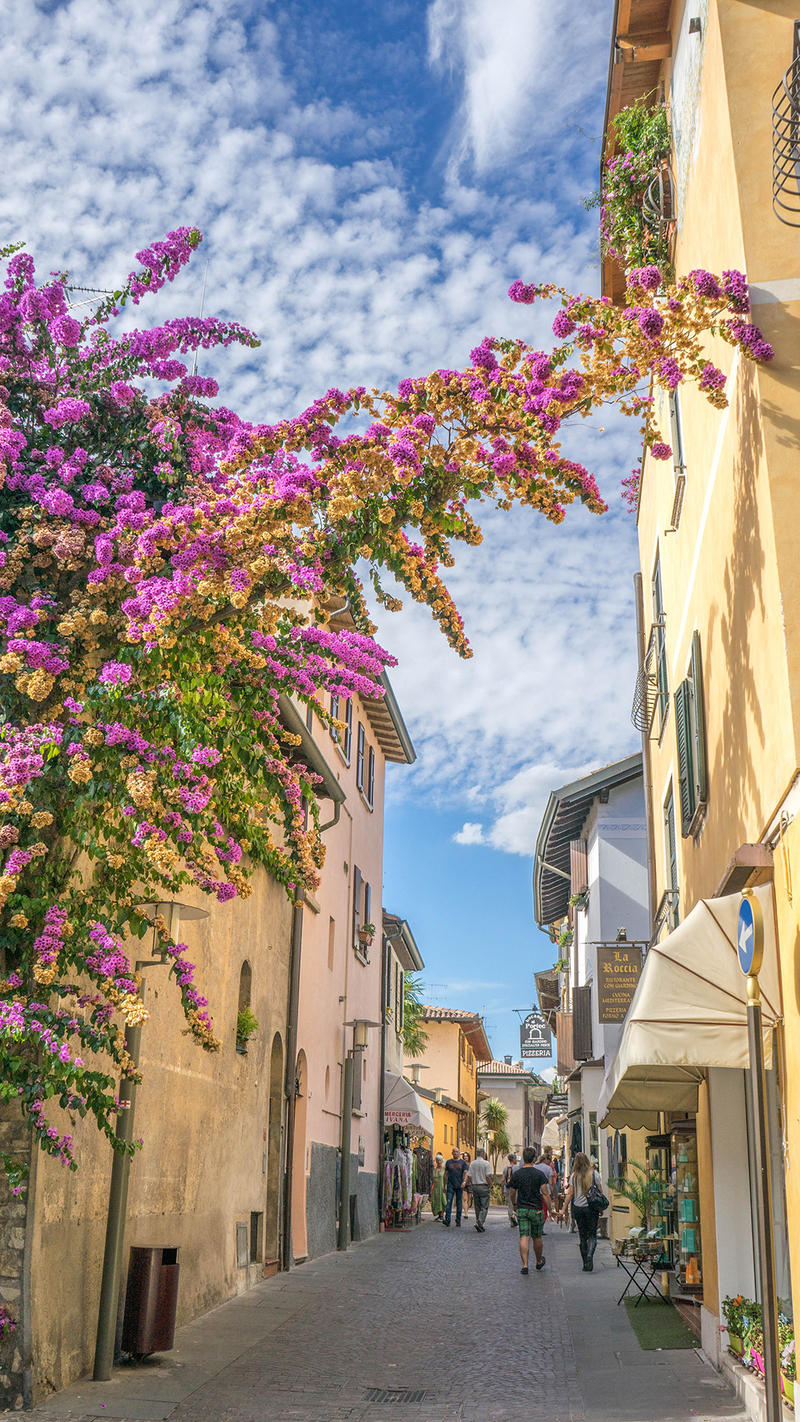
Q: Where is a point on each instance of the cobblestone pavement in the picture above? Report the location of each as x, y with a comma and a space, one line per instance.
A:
441, 1312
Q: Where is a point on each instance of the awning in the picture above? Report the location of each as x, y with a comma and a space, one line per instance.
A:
551, 1135
403, 1107
689, 1012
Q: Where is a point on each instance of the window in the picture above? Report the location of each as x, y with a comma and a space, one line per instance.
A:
256, 1237
367, 905
661, 645
331, 942
335, 715
399, 983
360, 757
371, 777
691, 737
671, 858
348, 730
309, 717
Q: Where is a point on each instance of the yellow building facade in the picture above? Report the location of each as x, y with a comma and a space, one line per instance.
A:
719, 615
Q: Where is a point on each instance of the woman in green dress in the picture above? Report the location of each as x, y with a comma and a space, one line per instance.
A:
438, 1195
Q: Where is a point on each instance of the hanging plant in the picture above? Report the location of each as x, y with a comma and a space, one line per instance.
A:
642, 140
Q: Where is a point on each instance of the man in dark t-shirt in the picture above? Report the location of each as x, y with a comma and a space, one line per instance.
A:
454, 1172
528, 1188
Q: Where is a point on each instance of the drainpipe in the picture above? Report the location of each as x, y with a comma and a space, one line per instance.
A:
291, 1077
646, 776
117, 1212
381, 1100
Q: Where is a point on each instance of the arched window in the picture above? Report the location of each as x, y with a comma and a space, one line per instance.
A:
246, 1024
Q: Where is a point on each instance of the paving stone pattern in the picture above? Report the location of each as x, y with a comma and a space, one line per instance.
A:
442, 1311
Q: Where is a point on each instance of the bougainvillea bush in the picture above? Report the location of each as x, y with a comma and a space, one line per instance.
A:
167, 567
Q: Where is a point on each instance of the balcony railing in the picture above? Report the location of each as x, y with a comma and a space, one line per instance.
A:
658, 203
786, 141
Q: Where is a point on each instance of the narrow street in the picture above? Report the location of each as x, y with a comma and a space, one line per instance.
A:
443, 1313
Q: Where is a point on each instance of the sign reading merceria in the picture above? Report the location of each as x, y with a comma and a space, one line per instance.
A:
618, 970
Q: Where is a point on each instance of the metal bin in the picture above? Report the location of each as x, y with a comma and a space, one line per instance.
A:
151, 1301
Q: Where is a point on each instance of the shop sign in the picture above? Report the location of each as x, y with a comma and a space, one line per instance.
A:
534, 1037
398, 1117
618, 970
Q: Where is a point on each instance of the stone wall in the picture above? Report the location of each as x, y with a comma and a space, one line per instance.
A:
14, 1361
321, 1195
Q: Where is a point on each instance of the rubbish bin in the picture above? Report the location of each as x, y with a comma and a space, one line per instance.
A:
151, 1301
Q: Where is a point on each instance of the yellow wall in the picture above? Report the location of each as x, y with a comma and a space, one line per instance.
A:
445, 1124
732, 570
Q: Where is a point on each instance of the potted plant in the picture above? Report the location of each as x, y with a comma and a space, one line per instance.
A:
366, 933
246, 1027
754, 1345
733, 1313
787, 1357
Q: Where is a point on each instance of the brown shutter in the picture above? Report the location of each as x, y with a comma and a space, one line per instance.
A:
564, 1058
356, 905
578, 867
582, 1023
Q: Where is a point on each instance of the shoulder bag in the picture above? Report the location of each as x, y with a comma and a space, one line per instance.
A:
595, 1198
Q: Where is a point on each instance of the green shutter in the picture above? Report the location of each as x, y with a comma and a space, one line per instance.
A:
685, 770
698, 725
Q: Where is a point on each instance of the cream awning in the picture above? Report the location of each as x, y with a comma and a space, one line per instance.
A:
689, 1012
551, 1133
402, 1106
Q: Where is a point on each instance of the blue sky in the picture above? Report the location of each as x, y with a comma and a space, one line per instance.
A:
370, 178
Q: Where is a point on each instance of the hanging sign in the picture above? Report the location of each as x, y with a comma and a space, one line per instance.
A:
534, 1037
618, 969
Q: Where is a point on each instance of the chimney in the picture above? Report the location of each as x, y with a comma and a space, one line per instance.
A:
508, 1060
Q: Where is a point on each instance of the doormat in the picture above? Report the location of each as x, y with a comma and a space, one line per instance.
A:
659, 1325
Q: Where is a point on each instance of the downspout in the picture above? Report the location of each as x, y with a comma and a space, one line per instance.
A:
290, 1079
646, 775
381, 1105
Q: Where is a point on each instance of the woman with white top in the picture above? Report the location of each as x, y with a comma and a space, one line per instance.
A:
581, 1181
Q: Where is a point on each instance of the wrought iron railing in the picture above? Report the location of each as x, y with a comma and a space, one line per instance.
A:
786, 141
658, 204
648, 692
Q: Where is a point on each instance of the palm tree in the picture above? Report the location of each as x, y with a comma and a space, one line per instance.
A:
494, 1126
634, 1190
414, 1035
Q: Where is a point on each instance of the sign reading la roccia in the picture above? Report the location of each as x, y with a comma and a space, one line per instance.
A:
534, 1037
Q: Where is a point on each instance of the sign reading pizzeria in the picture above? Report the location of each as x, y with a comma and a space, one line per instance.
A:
534, 1037
618, 970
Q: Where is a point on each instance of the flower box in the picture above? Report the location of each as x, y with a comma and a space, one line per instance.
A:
735, 1344
757, 1361
787, 1387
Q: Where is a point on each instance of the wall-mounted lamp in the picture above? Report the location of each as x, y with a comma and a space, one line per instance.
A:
438, 1095
361, 1034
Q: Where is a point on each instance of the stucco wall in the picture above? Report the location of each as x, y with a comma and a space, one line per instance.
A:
205, 1122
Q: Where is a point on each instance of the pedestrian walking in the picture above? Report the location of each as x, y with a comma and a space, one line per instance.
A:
480, 1179
545, 1164
529, 1194
507, 1174
465, 1156
438, 1189
454, 1172
583, 1180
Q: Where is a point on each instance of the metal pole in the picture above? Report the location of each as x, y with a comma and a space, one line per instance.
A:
290, 1079
347, 1126
766, 1242
117, 1211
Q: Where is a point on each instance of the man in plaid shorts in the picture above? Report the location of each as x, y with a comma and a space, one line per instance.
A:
528, 1188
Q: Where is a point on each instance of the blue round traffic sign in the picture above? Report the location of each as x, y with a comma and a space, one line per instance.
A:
750, 935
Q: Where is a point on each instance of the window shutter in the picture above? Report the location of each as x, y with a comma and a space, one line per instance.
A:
360, 758
582, 1023
401, 1016
371, 777
356, 905
335, 714
698, 725
685, 771
578, 866
348, 735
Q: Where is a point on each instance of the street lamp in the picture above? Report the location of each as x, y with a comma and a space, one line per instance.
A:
121, 1164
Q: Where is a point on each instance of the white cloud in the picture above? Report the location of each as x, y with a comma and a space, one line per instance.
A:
121, 123
513, 59
549, 1075
470, 834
